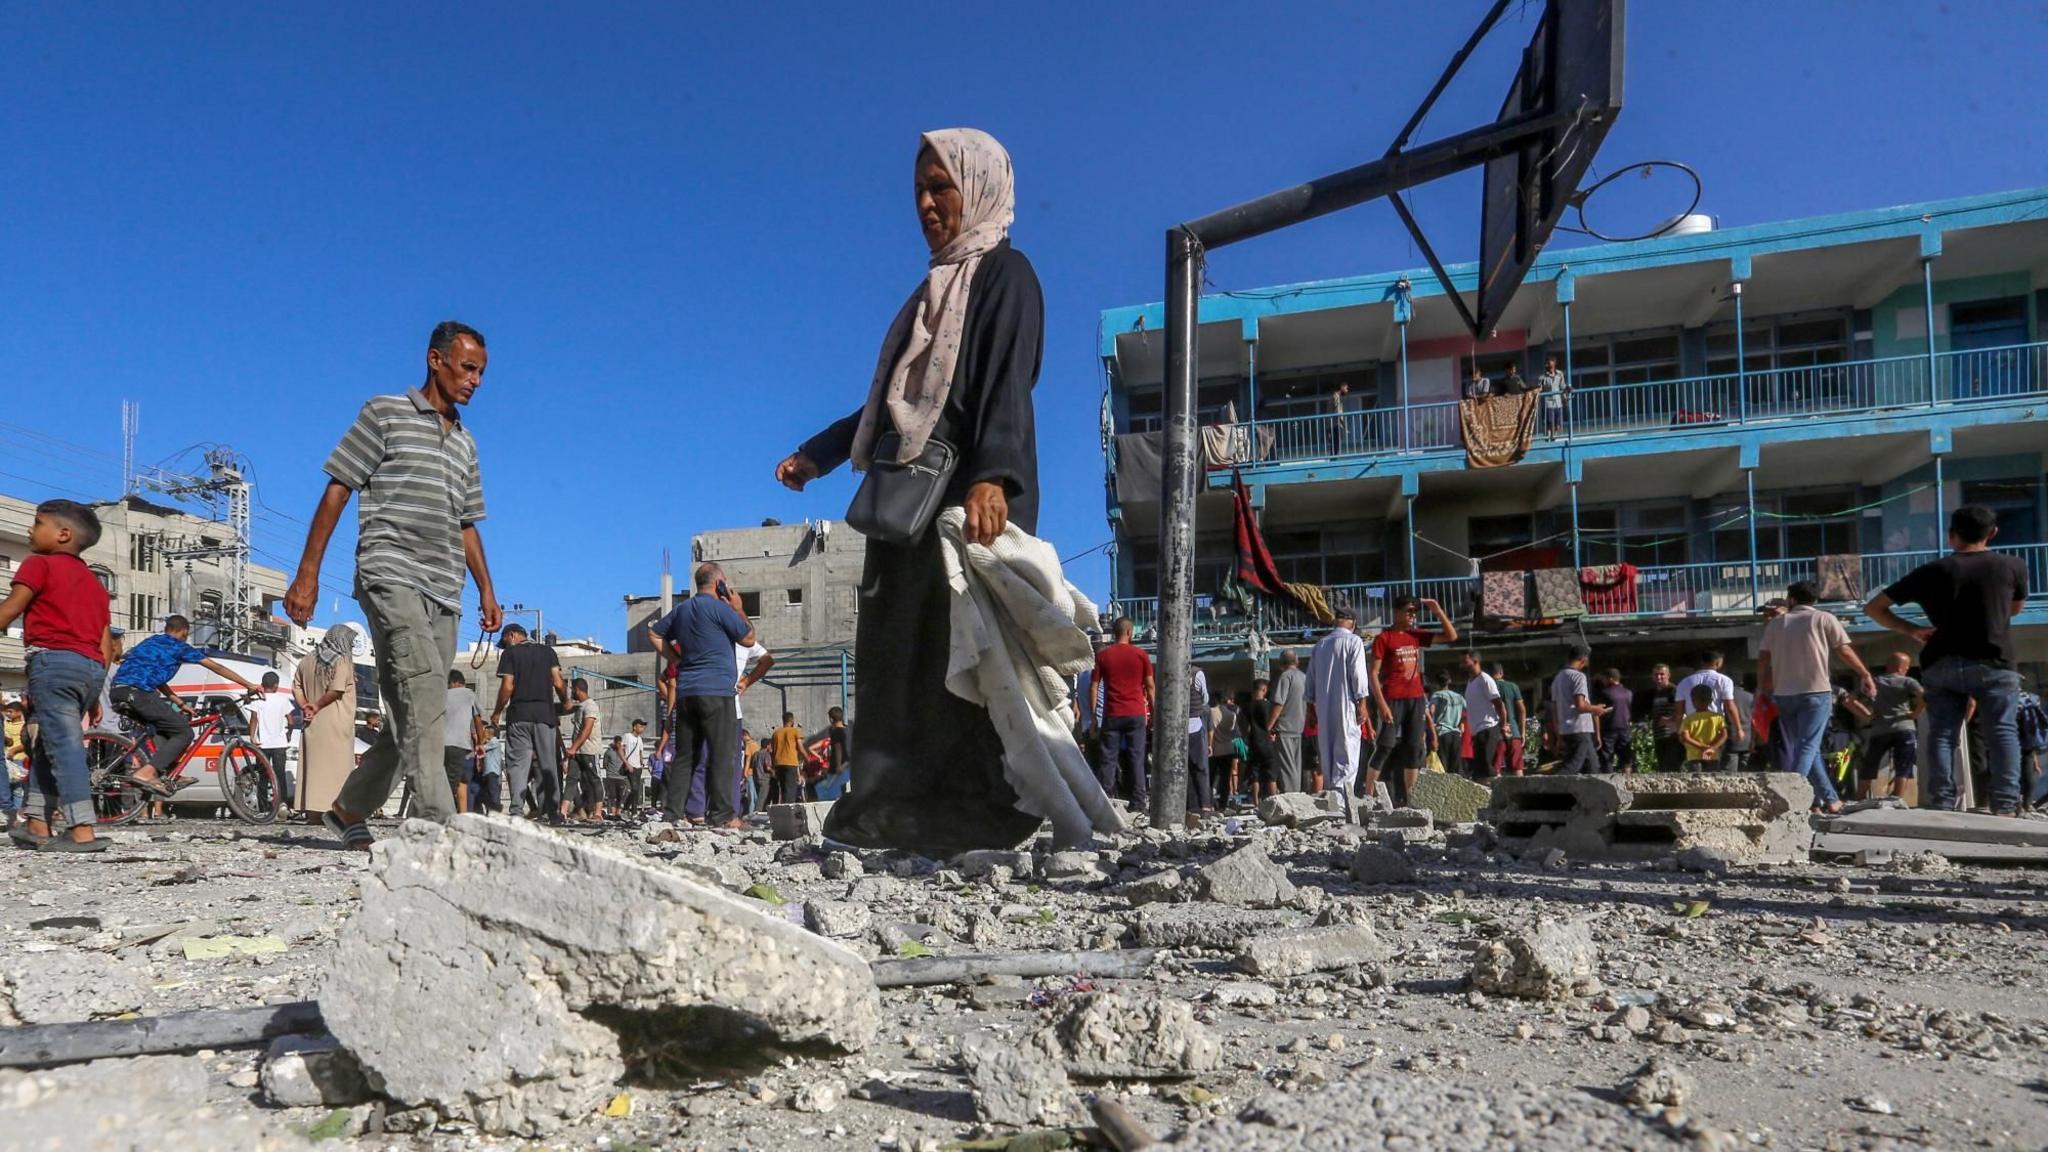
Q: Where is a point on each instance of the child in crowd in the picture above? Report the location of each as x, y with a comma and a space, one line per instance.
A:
69, 646
1704, 732
15, 786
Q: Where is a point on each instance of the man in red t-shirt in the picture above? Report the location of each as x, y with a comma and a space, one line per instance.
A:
1125, 673
1394, 669
69, 647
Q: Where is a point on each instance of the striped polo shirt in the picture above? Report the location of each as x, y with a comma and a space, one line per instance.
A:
417, 485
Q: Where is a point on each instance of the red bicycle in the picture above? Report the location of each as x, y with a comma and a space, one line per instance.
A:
248, 782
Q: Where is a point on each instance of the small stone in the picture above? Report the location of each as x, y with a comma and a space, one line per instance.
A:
838, 919
1876, 1105
818, 1096
1334, 1042
1157, 888
1552, 961
1104, 1036
1659, 1083
1245, 994
1304, 950
843, 866
1372, 864
1703, 858
313, 1072
246, 1078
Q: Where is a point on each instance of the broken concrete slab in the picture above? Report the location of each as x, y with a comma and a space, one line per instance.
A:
839, 919
1450, 799
1247, 878
1929, 824
1755, 817
579, 944
313, 1072
1019, 1083
1553, 960
1297, 810
981, 861
1882, 849
1395, 1110
60, 987
1206, 925
1303, 950
145, 1104
797, 821
1159, 888
1103, 1036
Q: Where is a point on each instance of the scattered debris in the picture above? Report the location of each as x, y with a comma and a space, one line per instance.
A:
1552, 961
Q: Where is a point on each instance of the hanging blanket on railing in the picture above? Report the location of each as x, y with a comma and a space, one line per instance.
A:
1838, 577
1609, 589
1557, 593
1314, 601
1228, 444
1504, 595
1498, 428
1255, 567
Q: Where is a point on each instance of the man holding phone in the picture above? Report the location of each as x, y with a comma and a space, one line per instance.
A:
700, 634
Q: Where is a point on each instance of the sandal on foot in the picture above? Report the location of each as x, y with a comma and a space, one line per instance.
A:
23, 838
355, 835
67, 844
153, 785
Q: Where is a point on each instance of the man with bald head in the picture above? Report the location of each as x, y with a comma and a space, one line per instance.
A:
699, 635
1894, 731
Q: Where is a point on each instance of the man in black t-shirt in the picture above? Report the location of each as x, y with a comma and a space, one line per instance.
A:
1970, 598
531, 694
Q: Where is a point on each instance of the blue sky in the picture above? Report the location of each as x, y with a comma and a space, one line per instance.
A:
684, 229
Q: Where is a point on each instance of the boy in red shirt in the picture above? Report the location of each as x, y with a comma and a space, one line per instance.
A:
69, 648
1393, 668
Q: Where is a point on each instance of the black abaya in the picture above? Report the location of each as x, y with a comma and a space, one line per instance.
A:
927, 771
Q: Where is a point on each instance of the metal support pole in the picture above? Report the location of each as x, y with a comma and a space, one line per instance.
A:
842, 682
1407, 432
1412, 586
1251, 380
1927, 287
1570, 382
1741, 365
1940, 497
1176, 526
1578, 561
1755, 592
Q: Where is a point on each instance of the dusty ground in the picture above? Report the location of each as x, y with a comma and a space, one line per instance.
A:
1815, 1006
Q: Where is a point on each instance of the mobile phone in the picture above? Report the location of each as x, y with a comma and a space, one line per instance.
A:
724, 593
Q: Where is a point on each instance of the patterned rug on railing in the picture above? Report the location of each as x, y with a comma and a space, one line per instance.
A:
1498, 428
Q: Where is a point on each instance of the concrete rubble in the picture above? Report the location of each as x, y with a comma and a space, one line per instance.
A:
1753, 817
1879, 831
1451, 799
798, 821
1552, 961
1247, 878
492, 912
1913, 986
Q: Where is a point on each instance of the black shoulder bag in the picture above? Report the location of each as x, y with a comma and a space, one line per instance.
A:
897, 502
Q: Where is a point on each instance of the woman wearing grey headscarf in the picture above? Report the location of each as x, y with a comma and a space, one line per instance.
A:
324, 687
958, 364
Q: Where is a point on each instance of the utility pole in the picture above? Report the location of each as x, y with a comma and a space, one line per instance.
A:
225, 492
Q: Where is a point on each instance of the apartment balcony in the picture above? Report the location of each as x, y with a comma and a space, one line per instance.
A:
1706, 405
1698, 592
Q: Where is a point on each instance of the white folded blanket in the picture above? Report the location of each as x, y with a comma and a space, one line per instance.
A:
1019, 639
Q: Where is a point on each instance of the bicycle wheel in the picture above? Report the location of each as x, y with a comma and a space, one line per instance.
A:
248, 783
110, 759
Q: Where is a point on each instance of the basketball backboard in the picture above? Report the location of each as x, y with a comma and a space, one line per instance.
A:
1571, 65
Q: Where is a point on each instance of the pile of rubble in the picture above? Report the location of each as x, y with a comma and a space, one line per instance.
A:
1282, 978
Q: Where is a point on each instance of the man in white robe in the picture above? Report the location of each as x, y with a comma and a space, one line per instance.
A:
1337, 688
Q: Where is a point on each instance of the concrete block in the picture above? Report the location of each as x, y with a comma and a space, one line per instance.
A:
797, 821
1554, 960
1450, 799
1882, 849
1928, 824
1205, 925
1247, 878
1297, 810
499, 974
313, 1072
1103, 1036
1305, 950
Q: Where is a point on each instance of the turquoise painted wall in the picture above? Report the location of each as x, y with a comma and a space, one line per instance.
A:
1884, 318
1910, 524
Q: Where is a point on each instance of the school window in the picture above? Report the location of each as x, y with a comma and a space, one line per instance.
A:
1627, 358
1819, 523
796, 597
1796, 341
1330, 557
2016, 504
1645, 535
141, 612
142, 553
1147, 406
1310, 392
750, 603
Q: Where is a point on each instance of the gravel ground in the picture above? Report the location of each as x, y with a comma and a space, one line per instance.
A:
1784, 1007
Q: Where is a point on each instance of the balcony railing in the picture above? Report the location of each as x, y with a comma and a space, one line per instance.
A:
1717, 401
1665, 591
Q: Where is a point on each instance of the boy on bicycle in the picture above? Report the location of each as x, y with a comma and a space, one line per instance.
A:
69, 645
142, 689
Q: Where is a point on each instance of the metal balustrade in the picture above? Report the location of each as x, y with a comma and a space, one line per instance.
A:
1715, 588
1701, 402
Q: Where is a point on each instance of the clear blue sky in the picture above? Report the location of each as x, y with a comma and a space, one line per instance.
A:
684, 230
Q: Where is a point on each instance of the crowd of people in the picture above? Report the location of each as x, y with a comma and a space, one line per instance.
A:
1810, 707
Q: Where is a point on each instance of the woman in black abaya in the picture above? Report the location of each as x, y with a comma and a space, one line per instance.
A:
958, 364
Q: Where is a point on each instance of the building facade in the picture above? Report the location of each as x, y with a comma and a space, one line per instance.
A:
1747, 406
800, 584
146, 580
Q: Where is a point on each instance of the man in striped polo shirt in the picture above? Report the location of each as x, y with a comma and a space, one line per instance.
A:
421, 495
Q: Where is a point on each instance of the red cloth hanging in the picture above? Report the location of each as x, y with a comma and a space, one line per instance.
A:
1255, 567
1609, 589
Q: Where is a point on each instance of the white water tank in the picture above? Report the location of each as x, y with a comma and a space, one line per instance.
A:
1690, 224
